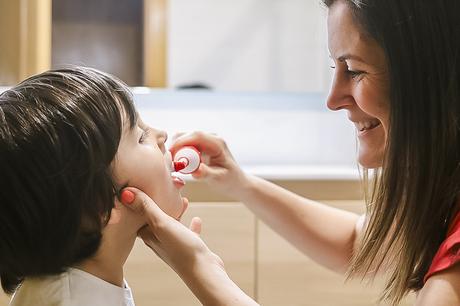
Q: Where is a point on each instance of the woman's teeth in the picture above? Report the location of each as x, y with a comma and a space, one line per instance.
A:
367, 125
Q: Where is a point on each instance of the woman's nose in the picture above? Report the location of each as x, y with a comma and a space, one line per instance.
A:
340, 95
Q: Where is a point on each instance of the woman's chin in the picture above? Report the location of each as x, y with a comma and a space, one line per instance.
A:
369, 160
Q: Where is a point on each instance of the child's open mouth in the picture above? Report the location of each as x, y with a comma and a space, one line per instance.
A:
178, 182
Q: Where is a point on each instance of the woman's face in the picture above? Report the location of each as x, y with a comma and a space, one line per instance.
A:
143, 162
360, 84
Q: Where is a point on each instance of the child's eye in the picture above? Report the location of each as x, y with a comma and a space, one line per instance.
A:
145, 134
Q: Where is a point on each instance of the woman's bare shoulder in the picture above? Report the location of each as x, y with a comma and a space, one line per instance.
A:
441, 289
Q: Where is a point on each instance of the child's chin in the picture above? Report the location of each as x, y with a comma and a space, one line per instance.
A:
180, 209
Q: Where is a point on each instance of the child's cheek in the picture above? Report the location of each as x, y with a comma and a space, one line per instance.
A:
156, 179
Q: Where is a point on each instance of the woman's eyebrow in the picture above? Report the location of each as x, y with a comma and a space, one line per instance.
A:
348, 56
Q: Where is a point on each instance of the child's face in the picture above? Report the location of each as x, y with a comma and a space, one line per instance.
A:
143, 162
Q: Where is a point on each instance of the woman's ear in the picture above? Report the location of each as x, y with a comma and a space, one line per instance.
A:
115, 214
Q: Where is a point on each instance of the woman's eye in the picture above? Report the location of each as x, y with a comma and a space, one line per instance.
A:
354, 74
144, 135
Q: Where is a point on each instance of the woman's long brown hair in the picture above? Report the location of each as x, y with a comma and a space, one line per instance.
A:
412, 197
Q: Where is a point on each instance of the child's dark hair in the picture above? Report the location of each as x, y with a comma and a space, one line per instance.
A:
59, 132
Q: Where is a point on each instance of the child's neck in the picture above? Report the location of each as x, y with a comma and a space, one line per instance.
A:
108, 262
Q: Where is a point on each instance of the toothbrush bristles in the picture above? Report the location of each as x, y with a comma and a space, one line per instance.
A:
178, 166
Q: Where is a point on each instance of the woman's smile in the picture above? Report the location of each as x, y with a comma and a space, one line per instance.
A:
365, 127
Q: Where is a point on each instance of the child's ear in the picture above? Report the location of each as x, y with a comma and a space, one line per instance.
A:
115, 214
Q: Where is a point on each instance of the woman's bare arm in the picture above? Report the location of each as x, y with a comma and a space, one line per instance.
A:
327, 235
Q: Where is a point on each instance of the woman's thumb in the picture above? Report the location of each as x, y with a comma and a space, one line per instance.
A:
204, 171
141, 204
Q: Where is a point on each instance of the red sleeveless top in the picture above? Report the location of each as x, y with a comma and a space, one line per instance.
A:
449, 251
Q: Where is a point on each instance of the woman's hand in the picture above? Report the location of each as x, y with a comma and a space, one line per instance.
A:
218, 168
180, 247
185, 252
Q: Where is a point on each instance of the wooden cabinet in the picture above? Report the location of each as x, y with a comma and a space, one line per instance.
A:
228, 230
287, 277
4, 299
263, 264
25, 35
104, 34
124, 37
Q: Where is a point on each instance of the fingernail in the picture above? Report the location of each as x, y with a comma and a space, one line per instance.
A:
127, 197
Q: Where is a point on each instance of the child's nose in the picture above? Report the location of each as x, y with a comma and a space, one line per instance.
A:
164, 136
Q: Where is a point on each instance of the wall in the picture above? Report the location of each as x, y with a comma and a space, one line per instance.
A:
285, 131
104, 34
255, 45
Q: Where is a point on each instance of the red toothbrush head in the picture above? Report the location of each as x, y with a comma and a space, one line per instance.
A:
187, 160
179, 165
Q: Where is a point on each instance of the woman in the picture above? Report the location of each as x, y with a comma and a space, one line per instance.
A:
397, 66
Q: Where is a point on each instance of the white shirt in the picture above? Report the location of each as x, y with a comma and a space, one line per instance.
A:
72, 288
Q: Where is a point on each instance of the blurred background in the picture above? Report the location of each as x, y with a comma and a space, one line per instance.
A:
255, 72
239, 45
262, 64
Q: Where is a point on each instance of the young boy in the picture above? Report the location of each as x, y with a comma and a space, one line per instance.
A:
70, 140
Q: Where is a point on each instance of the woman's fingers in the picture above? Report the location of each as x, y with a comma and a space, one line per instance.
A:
177, 135
205, 171
205, 142
195, 225
142, 204
202, 171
